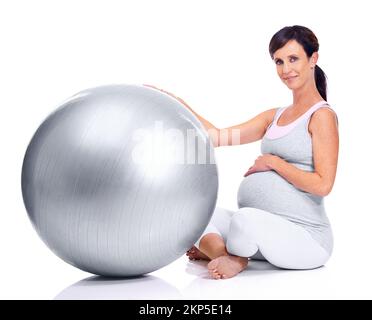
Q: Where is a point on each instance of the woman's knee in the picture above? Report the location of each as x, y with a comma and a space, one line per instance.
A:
247, 221
240, 247
242, 239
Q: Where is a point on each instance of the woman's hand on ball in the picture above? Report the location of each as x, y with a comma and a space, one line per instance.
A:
262, 163
162, 90
168, 93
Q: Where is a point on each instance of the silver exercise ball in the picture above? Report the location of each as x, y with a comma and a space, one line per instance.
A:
120, 180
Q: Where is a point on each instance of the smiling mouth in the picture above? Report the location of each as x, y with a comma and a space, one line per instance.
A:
290, 78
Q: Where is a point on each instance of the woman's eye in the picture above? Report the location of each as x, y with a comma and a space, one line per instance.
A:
293, 59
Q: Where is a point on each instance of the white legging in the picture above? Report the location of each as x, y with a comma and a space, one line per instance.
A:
259, 234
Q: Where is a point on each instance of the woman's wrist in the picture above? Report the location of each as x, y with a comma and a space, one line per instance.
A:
273, 162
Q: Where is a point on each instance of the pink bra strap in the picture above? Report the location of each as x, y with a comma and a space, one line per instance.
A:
307, 114
276, 131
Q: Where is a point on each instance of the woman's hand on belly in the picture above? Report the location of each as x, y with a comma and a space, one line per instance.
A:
262, 163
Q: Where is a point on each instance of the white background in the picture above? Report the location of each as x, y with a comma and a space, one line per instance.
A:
214, 54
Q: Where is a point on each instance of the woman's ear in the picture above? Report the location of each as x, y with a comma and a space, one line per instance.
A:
314, 59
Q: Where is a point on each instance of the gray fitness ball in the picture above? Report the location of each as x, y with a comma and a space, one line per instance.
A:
120, 180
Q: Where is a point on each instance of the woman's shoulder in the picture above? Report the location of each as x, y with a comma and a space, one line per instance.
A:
325, 113
272, 113
323, 116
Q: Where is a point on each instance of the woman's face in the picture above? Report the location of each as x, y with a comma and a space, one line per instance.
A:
294, 68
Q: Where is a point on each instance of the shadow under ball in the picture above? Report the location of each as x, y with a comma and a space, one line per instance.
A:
101, 185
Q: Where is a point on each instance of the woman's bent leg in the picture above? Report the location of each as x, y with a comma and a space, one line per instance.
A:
283, 243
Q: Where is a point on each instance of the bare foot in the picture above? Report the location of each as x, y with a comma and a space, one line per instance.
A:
195, 254
225, 267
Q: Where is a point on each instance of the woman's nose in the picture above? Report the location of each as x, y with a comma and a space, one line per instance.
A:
286, 68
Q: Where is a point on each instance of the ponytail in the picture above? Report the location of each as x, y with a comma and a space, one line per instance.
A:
321, 82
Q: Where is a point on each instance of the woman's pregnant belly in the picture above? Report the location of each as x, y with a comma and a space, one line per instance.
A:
269, 191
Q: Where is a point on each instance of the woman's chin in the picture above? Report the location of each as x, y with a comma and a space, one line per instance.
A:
292, 87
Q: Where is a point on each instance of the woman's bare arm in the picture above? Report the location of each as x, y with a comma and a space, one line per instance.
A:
249, 131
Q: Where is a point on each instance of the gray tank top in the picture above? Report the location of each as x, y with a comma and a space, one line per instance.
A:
270, 192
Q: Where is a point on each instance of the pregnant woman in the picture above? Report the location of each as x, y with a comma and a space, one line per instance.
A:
281, 216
